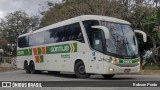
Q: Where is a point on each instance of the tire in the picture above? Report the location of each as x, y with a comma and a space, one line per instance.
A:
108, 76
25, 65
32, 68
27, 70
79, 70
53, 72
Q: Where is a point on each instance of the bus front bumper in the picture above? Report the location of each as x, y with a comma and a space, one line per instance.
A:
114, 69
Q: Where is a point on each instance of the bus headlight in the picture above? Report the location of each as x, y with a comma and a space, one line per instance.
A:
112, 62
111, 69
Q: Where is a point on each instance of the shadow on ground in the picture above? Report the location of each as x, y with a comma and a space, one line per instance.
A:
92, 77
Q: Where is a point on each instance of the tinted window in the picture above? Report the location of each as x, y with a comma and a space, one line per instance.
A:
97, 40
65, 33
60, 34
76, 33
49, 36
36, 39
23, 42
94, 35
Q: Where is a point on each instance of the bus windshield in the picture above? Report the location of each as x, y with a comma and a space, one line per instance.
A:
122, 41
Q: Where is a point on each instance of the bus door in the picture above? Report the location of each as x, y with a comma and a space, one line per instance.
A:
97, 53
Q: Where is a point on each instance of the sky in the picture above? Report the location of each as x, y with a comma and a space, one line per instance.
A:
31, 7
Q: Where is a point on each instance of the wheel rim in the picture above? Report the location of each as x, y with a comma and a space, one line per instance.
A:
81, 70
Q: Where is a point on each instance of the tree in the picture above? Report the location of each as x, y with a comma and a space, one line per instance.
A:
3, 42
152, 27
72, 8
15, 24
143, 14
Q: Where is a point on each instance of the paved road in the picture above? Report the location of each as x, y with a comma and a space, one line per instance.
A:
20, 75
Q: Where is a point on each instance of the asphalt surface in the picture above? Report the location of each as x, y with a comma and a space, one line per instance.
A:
20, 75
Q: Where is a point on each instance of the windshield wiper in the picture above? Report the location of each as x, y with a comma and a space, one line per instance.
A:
117, 38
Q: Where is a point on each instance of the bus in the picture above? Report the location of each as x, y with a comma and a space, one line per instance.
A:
84, 45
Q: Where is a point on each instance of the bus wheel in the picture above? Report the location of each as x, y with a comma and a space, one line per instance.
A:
25, 65
32, 68
27, 69
108, 76
79, 70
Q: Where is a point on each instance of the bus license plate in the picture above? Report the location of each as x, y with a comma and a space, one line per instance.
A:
127, 70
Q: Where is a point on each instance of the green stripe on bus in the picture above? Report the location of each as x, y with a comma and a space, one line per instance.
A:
41, 58
133, 60
75, 47
23, 52
120, 61
39, 51
30, 51
63, 48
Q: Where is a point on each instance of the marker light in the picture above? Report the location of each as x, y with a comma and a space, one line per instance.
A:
114, 60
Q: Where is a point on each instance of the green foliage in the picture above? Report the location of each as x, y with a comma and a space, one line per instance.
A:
150, 25
15, 24
72, 8
151, 66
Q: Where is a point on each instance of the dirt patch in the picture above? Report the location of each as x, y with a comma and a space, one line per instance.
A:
4, 69
7, 67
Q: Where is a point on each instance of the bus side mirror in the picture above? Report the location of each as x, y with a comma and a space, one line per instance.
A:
104, 29
143, 33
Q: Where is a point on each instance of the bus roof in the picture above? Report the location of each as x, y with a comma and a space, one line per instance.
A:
77, 19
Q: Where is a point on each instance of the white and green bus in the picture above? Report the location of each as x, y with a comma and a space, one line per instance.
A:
85, 45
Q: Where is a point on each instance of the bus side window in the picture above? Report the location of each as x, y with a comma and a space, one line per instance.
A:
47, 35
87, 24
36, 39
76, 33
52, 37
97, 40
32, 41
23, 41
65, 33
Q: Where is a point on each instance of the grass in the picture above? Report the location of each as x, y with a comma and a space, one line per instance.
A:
151, 66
